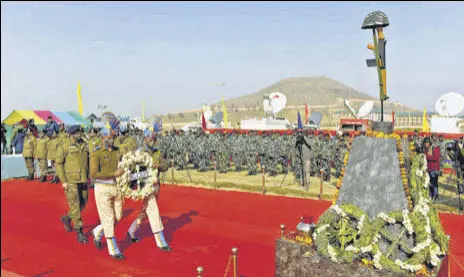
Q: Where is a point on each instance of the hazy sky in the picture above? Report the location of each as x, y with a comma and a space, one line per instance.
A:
175, 55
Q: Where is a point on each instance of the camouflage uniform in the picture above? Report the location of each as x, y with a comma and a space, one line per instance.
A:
41, 153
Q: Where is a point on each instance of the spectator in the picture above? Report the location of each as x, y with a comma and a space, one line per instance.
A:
51, 126
432, 154
3, 138
18, 140
31, 126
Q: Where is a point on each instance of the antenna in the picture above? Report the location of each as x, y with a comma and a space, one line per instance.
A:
450, 104
365, 109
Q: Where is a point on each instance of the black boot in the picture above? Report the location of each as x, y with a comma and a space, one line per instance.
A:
57, 180
43, 179
118, 256
30, 177
132, 238
66, 223
166, 248
80, 236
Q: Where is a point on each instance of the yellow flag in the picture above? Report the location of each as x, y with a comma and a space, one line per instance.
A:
224, 111
80, 108
425, 124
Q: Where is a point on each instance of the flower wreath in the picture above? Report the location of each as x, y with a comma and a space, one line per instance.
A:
135, 162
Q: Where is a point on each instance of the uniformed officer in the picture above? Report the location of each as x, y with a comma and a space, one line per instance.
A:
150, 205
71, 163
52, 148
29, 147
41, 153
94, 141
104, 171
125, 142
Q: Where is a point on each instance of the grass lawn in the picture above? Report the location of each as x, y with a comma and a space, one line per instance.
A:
277, 185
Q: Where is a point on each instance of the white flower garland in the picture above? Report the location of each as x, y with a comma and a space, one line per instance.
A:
412, 268
376, 260
386, 218
339, 211
137, 158
407, 222
434, 253
332, 253
320, 229
360, 224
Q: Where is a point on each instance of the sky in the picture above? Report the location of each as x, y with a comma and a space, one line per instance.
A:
175, 55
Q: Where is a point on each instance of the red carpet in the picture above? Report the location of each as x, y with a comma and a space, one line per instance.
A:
202, 225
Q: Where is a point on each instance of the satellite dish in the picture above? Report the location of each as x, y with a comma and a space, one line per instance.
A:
365, 109
450, 104
315, 118
278, 101
217, 118
208, 114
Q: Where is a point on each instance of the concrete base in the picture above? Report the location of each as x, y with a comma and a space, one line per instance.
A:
291, 261
384, 127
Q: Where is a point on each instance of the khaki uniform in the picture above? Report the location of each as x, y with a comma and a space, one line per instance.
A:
52, 148
126, 144
94, 143
28, 153
41, 154
62, 137
103, 165
150, 206
72, 166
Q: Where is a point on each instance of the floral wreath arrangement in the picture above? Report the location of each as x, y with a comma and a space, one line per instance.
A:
139, 176
345, 233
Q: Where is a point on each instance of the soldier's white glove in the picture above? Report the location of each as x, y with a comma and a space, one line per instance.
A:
64, 185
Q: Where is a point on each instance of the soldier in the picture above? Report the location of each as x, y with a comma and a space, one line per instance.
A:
417, 140
94, 141
150, 206
62, 134
72, 168
52, 149
41, 152
29, 148
104, 170
125, 142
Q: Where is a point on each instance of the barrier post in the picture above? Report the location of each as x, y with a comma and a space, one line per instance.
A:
214, 174
282, 230
199, 271
235, 260
321, 189
172, 172
264, 179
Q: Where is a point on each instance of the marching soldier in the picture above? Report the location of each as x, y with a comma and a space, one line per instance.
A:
150, 206
41, 152
104, 171
72, 166
52, 148
29, 147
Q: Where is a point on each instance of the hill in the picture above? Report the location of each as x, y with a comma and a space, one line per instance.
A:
322, 93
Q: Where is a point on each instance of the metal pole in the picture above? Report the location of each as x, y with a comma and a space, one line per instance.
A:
200, 271
282, 230
214, 176
235, 260
377, 57
172, 172
264, 179
381, 110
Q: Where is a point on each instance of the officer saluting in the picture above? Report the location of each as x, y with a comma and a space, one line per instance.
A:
71, 163
104, 171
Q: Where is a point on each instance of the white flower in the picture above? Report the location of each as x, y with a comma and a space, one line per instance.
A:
386, 218
351, 248
419, 173
407, 222
411, 268
360, 223
339, 211
332, 253
366, 249
376, 260
320, 229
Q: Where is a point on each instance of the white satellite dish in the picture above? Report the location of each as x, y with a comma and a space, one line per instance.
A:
450, 104
278, 101
365, 109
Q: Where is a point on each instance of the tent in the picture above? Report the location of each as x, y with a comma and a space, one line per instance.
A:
17, 115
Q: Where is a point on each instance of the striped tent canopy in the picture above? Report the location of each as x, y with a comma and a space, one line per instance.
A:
41, 117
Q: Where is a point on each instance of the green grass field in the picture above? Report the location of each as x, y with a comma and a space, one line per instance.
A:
277, 185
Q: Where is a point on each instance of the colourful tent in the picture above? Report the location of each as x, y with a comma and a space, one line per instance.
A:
17, 115
45, 114
66, 118
41, 117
